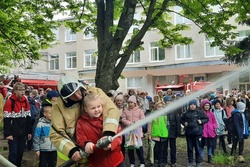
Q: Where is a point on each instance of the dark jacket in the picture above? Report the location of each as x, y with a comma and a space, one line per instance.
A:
174, 125
237, 124
192, 117
17, 119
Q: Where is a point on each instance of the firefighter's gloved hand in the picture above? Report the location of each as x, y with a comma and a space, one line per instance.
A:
75, 155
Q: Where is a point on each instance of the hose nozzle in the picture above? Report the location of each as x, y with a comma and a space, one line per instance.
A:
104, 142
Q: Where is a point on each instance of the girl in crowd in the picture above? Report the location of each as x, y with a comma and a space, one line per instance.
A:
209, 134
220, 114
229, 108
158, 133
129, 117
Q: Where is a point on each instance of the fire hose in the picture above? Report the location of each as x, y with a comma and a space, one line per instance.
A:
101, 143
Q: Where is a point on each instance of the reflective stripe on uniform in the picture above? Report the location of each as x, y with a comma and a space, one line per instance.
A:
111, 121
62, 144
62, 156
70, 131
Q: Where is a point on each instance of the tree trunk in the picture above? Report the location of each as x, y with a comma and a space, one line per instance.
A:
105, 72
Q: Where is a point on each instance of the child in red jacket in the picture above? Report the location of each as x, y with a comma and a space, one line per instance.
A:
89, 131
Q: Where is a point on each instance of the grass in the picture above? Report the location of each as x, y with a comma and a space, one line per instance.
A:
223, 159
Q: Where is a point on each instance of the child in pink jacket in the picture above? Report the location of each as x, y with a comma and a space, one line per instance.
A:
209, 133
129, 117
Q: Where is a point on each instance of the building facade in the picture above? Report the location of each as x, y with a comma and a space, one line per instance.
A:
74, 54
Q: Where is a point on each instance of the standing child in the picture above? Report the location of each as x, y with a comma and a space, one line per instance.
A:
220, 114
17, 125
229, 108
239, 130
209, 134
193, 121
158, 132
89, 130
43, 147
119, 102
129, 117
174, 130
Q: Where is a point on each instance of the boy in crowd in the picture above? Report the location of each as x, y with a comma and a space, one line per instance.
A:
193, 121
43, 147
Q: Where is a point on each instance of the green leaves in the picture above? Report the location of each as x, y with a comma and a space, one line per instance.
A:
26, 25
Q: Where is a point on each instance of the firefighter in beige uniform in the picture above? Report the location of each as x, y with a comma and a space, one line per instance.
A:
65, 113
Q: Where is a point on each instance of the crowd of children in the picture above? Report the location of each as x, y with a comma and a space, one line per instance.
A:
206, 122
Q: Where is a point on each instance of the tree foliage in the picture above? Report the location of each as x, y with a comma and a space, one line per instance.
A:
243, 56
26, 27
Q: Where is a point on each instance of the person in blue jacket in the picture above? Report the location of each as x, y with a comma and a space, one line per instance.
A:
239, 130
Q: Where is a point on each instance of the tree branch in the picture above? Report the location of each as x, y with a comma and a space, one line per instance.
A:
125, 22
136, 40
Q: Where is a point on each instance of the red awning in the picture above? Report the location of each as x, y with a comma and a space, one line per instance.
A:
39, 82
170, 87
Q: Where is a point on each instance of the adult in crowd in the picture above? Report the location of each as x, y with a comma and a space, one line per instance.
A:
66, 111
17, 123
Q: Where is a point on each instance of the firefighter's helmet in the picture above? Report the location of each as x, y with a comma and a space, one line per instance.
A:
68, 85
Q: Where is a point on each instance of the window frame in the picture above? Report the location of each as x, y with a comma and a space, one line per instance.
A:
133, 58
54, 62
91, 56
184, 50
56, 33
71, 35
184, 20
215, 49
158, 52
134, 85
72, 61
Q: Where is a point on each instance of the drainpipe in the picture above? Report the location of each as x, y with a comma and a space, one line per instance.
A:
5, 162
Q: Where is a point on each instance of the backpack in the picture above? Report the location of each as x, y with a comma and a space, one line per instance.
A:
34, 107
227, 121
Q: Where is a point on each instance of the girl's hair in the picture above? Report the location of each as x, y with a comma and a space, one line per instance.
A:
229, 101
91, 97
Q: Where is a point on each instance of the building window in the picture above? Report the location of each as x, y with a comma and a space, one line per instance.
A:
243, 34
183, 52
54, 62
157, 53
70, 36
134, 58
87, 34
212, 51
244, 77
56, 33
178, 18
134, 83
90, 59
70, 60
135, 26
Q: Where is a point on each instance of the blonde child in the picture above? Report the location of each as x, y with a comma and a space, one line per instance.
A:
89, 130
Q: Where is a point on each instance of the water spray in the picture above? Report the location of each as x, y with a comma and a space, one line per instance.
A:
182, 101
104, 142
